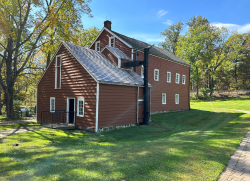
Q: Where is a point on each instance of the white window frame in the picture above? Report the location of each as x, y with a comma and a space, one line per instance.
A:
78, 111
96, 43
183, 79
50, 106
177, 99
169, 73
177, 80
156, 70
56, 66
110, 38
142, 71
164, 101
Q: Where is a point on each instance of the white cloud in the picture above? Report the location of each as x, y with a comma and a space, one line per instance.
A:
161, 13
240, 28
168, 22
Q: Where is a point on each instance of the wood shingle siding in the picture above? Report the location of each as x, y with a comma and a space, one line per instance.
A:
75, 83
117, 105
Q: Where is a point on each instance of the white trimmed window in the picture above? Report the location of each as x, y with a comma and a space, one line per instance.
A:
176, 98
183, 79
52, 104
112, 41
97, 46
164, 98
156, 75
58, 64
177, 78
142, 71
168, 77
80, 107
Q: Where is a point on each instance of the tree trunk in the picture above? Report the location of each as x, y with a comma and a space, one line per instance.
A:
197, 83
1, 105
9, 103
211, 86
235, 73
48, 59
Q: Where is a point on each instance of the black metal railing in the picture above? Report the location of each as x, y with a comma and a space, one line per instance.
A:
58, 118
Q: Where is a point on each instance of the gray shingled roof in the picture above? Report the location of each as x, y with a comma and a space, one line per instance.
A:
117, 52
159, 52
101, 68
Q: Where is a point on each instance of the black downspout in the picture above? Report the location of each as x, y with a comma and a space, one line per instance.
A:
135, 60
145, 88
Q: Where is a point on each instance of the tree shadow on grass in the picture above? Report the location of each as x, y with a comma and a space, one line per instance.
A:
188, 145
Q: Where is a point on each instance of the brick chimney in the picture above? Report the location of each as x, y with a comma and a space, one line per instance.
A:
107, 24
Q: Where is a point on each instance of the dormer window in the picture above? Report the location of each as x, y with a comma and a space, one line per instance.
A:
97, 46
112, 41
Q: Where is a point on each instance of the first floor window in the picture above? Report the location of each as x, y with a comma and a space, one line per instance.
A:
183, 79
169, 77
176, 98
156, 75
52, 104
142, 71
97, 46
177, 78
164, 98
80, 107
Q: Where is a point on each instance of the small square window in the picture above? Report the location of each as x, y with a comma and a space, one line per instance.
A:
97, 46
168, 77
112, 41
176, 98
177, 78
164, 98
183, 79
156, 75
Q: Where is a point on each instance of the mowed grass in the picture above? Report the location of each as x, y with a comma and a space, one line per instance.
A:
185, 145
4, 118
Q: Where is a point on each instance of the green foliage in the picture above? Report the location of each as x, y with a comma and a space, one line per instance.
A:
205, 92
172, 34
17, 105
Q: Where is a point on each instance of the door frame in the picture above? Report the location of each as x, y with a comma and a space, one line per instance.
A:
67, 108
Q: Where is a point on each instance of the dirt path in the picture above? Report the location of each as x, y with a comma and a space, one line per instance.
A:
9, 132
28, 120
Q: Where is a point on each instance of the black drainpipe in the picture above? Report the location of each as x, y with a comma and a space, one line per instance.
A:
145, 89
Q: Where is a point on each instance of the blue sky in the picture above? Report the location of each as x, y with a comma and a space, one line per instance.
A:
145, 20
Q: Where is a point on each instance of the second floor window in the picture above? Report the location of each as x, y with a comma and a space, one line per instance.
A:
177, 78
183, 79
97, 46
112, 41
169, 77
156, 75
58, 64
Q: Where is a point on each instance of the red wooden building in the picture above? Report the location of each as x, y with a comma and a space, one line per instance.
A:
94, 84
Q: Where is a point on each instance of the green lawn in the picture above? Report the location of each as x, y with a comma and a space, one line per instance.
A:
187, 145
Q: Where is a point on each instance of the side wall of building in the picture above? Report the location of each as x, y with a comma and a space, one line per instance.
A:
75, 83
162, 86
117, 105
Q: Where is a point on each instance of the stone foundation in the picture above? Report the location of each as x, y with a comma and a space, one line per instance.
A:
115, 127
